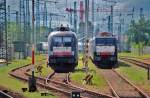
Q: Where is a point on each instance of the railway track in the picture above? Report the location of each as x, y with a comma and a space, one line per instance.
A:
5, 95
135, 62
120, 86
135, 57
69, 88
22, 74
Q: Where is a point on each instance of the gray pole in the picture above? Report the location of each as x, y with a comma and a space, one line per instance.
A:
109, 25
141, 13
28, 21
132, 21
38, 21
17, 24
93, 16
86, 17
67, 7
111, 20
86, 35
120, 30
71, 18
5, 17
75, 16
50, 23
33, 19
8, 24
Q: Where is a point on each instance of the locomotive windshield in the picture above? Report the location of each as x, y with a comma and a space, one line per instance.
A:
62, 41
67, 41
105, 41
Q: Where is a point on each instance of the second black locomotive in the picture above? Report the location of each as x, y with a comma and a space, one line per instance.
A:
103, 50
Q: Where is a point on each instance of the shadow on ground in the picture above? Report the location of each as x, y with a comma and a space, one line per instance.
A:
121, 64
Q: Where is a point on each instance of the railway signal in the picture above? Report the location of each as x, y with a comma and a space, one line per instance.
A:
32, 79
86, 57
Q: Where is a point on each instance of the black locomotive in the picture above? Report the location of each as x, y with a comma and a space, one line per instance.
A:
62, 50
103, 50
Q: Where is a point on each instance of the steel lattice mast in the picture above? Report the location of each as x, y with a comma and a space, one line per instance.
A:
27, 21
37, 20
3, 30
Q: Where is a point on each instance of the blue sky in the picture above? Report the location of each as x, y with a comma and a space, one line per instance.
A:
137, 4
125, 3
122, 4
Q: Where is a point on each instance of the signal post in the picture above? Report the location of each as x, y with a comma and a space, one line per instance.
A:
32, 79
87, 35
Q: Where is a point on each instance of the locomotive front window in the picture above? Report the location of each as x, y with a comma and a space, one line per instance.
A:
57, 41
62, 41
105, 41
67, 41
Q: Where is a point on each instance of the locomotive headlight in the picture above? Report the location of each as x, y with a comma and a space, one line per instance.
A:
72, 52
112, 53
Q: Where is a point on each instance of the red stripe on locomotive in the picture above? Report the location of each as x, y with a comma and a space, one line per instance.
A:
62, 53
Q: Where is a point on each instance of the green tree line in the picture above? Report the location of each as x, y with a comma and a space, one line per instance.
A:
139, 34
15, 34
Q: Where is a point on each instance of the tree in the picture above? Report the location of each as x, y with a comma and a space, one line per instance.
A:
139, 34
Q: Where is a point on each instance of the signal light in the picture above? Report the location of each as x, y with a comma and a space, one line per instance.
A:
75, 94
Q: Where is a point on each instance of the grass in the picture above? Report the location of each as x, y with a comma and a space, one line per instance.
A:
45, 70
136, 74
15, 85
144, 56
78, 76
98, 80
